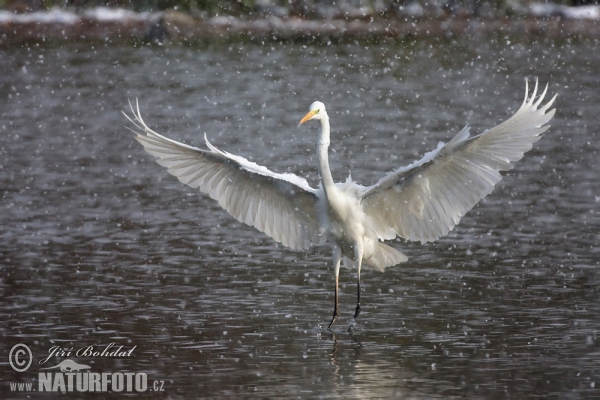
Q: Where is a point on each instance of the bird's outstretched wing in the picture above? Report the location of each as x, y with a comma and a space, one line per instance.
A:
426, 199
281, 205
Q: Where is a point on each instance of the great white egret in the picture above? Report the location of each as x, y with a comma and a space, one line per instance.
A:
421, 202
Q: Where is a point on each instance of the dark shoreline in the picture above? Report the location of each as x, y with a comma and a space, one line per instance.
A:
178, 27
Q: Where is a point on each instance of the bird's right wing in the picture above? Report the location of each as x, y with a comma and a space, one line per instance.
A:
426, 199
281, 205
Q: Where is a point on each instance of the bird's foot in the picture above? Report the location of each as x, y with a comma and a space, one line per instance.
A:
332, 320
356, 312
351, 327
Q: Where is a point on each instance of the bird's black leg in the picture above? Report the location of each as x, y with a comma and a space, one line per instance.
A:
335, 308
357, 309
337, 258
358, 253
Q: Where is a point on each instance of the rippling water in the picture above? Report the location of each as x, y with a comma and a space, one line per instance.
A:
99, 244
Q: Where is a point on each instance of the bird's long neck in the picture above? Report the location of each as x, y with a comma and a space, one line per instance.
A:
322, 156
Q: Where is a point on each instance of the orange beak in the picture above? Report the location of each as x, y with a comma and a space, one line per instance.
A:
307, 117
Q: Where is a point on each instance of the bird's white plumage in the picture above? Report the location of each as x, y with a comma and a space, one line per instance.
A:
422, 201
280, 205
426, 201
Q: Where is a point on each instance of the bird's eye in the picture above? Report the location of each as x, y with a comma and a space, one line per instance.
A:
317, 111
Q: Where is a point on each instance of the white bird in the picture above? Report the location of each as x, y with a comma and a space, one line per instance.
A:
419, 202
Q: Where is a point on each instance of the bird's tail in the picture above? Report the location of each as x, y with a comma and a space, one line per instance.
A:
384, 256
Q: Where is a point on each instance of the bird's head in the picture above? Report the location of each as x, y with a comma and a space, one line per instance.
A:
317, 111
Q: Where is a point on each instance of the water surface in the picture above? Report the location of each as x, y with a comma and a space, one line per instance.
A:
99, 244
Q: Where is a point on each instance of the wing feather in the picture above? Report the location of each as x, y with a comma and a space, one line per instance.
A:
283, 206
426, 199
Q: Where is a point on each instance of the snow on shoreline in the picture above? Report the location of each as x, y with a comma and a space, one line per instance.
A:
106, 14
551, 10
52, 16
122, 25
60, 16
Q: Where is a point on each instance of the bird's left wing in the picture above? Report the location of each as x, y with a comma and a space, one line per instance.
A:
426, 199
281, 205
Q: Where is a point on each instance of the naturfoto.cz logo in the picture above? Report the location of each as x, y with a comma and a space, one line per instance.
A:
72, 376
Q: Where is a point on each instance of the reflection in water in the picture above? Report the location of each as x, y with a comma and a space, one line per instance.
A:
99, 245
